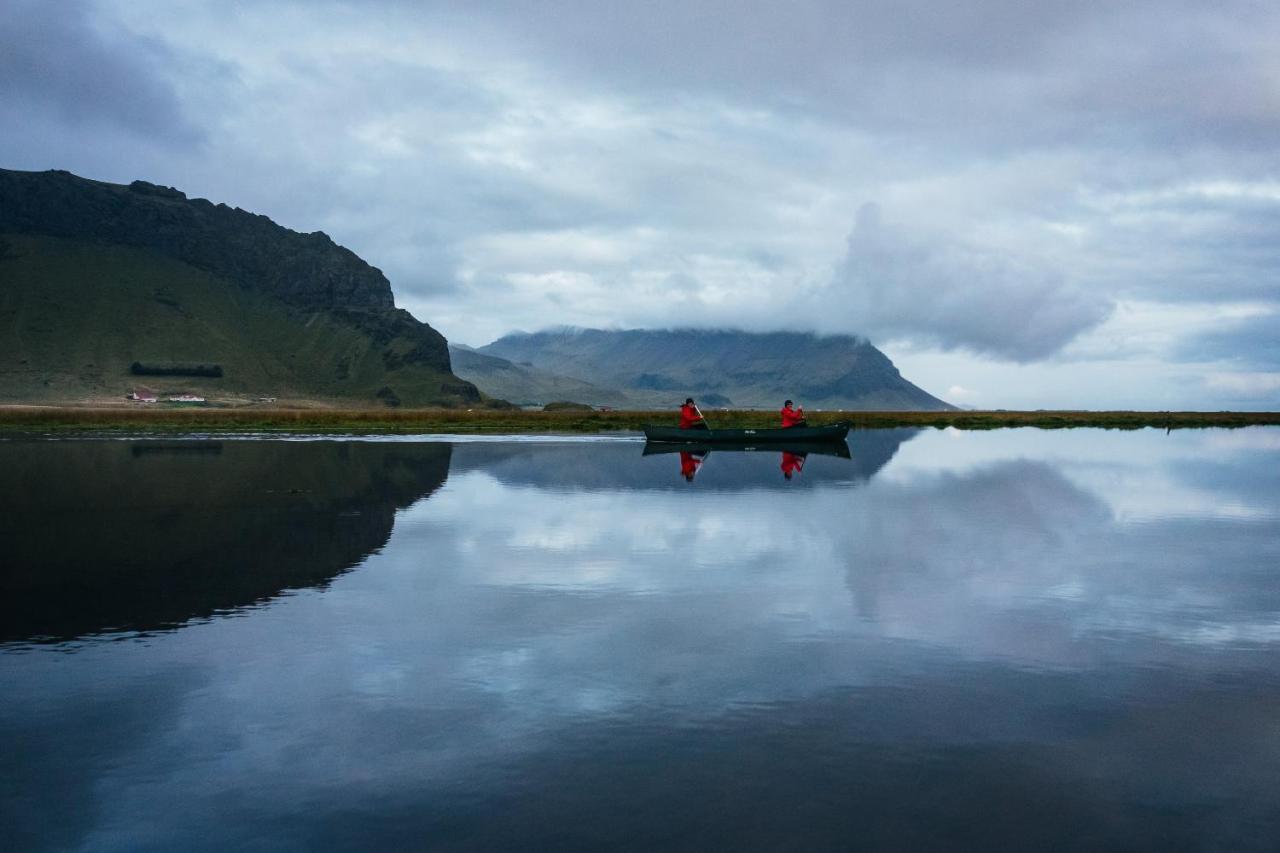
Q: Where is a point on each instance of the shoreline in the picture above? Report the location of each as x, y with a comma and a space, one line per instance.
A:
69, 419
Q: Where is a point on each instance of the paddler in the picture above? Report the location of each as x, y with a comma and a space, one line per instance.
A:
792, 463
689, 463
792, 417
690, 416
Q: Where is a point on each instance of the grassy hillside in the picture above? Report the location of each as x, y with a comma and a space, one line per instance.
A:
75, 314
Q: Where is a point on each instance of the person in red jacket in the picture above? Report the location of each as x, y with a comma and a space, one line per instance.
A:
792, 463
792, 417
690, 417
689, 463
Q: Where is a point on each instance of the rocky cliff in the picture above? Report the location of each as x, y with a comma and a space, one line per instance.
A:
306, 270
151, 275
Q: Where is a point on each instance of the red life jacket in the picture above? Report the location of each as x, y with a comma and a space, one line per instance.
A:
791, 417
689, 416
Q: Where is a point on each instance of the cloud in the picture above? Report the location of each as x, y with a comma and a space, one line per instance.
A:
1243, 356
1175, 240
896, 284
63, 65
1251, 339
997, 73
1248, 385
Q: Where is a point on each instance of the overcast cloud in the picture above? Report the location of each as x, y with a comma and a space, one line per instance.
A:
1024, 204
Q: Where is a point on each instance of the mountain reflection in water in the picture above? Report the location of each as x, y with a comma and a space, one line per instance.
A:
950, 641
146, 535
118, 535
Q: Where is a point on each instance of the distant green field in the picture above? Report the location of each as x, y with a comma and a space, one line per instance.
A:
75, 315
49, 419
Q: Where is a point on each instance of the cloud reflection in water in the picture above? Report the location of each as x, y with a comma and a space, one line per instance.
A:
744, 662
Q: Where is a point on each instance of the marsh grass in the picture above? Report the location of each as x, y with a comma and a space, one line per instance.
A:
76, 419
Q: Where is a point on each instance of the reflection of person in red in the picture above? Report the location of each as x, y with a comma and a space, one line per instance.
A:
689, 463
792, 463
792, 417
690, 416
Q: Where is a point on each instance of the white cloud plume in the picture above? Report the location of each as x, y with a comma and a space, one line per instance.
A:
896, 284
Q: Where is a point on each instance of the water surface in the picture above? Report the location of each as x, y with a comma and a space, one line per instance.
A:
1015, 639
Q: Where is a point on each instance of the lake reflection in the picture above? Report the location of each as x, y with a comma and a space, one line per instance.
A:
1015, 639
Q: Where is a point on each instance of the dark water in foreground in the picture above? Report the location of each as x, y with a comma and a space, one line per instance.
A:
1006, 640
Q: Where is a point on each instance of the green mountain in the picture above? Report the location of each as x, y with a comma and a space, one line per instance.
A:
101, 282
722, 367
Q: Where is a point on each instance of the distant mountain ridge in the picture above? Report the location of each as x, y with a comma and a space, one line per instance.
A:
100, 275
721, 367
526, 385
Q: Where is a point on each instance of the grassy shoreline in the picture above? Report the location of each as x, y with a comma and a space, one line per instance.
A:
40, 419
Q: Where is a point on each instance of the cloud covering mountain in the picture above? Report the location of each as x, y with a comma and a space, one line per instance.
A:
722, 367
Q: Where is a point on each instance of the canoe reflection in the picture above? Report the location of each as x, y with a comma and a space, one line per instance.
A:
818, 448
793, 456
618, 465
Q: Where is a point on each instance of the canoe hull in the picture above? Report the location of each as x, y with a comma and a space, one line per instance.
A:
794, 435
801, 448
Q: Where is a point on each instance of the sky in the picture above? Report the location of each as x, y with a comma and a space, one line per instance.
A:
1025, 205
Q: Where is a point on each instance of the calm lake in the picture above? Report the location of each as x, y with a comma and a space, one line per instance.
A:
1016, 639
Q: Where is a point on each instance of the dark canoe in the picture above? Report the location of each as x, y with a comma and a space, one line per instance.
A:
794, 435
801, 448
